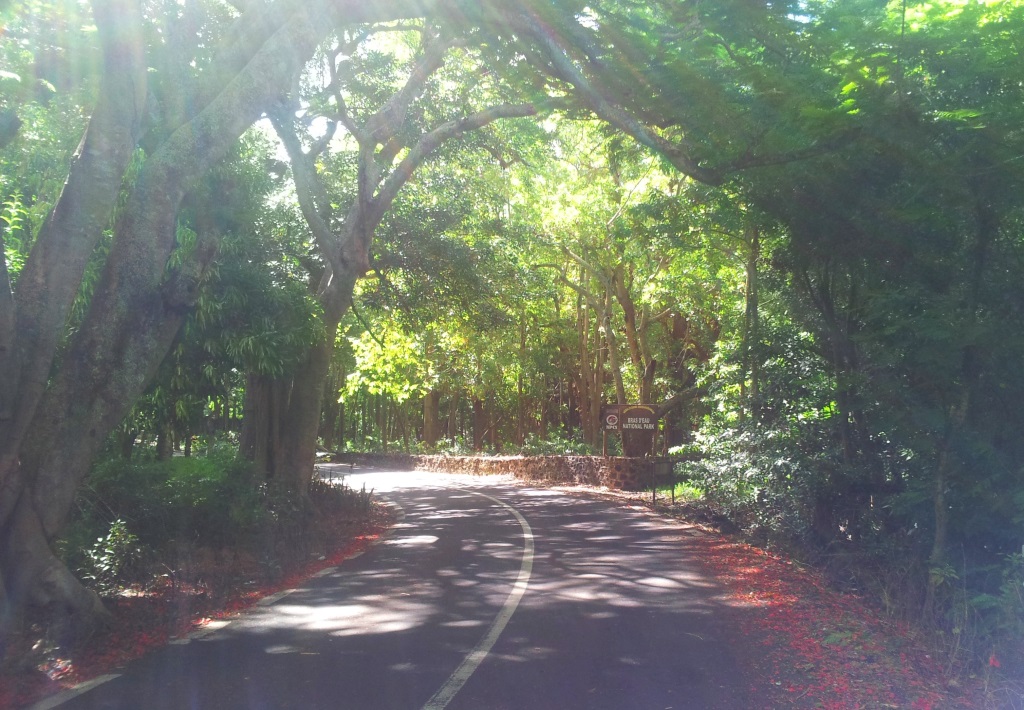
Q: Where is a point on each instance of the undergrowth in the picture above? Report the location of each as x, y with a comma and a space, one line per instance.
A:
785, 498
183, 521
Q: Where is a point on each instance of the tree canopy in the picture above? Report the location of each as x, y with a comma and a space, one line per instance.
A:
444, 225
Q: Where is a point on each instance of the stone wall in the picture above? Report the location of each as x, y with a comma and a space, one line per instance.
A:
612, 472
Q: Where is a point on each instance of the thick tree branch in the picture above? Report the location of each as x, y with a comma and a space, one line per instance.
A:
345, 118
589, 268
586, 294
674, 401
382, 126
391, 116
432, 140
608, 111
313, 199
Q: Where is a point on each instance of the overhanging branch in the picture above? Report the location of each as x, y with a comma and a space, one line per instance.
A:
312, 195
608, 111
432, 140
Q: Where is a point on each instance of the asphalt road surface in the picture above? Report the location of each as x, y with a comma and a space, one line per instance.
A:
487, 595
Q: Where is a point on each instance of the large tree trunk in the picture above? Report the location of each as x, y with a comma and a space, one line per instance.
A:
521, 429
332, 409
453, 416
597, 388
294, 457
479, 424
32, 318
431, 418
262, 413
34, 575
52, 427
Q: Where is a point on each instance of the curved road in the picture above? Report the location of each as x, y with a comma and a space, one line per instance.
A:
487, 595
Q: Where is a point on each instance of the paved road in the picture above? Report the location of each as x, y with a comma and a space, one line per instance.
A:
487, 595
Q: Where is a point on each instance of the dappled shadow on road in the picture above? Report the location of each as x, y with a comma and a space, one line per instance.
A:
615, 615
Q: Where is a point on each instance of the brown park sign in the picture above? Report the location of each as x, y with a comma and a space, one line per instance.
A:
629, 417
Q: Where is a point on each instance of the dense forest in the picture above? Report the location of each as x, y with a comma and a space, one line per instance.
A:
268, 229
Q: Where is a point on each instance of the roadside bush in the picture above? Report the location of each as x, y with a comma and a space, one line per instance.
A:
114, 560
758, 480
210, 499
339, 500
557, 445
187, 518
148, 505
788, 488
983, 616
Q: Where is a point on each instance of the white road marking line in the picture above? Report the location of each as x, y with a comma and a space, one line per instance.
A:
274, 598
475, 657
61, 698
201, 633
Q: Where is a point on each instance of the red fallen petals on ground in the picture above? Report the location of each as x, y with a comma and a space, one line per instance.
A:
817, 647
147, 620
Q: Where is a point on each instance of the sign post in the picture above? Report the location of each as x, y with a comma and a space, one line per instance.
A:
638, 417
625, 418
609, 422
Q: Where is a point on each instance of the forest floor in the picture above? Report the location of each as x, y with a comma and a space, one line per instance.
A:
811, 647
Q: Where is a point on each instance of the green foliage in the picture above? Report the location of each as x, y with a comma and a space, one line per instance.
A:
1009, 605
555, 445
43, 109
113, 560
766, 481
140, 519
878, 375
213, 500
396, 369
13, 214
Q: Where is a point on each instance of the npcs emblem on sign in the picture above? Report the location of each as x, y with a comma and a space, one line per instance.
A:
623, 417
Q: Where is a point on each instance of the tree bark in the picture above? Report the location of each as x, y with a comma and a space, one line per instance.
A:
453, 416
329, 422
479, 424
431, 418
32, 317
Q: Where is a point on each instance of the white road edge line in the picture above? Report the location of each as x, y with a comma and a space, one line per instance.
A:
274, 598
475, 657
61, 698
